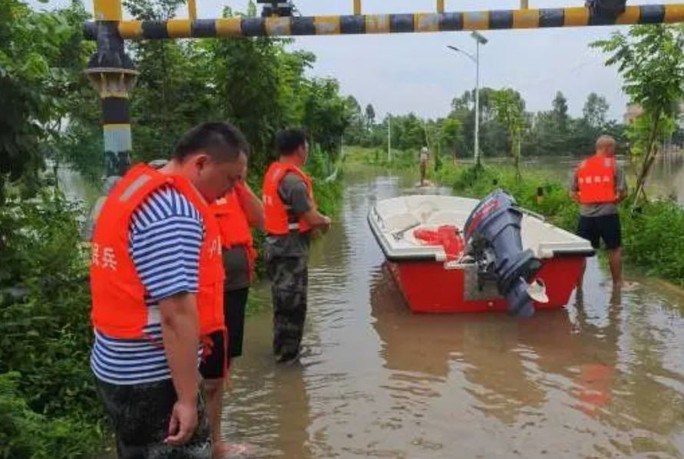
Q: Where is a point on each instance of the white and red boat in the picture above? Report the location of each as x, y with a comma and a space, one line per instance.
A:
506, 259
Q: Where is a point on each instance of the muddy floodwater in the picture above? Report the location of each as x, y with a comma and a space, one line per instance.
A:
602, 378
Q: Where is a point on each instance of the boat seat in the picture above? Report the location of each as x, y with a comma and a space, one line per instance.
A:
447, 218
398, 222
421, 209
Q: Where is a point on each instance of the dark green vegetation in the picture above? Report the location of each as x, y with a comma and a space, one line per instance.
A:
47, 404
651, 61
51, 116
502, 113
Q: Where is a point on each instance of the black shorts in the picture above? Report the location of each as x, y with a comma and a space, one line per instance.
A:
140, 416
235, 302
214, 364
605, 227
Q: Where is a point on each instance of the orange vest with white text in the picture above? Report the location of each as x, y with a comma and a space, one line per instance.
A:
234, 227
276, 219
596, 180
118, 294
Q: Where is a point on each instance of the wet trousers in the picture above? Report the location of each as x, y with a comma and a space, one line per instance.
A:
140, 417
289, 283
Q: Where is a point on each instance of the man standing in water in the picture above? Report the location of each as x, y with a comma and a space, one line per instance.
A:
290, 219
423, 159
157, 292
598, 185
236, 213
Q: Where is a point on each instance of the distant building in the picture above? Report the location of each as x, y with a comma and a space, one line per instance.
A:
634, 111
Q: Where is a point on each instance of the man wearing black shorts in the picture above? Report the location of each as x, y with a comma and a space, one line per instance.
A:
598, 185
236, 213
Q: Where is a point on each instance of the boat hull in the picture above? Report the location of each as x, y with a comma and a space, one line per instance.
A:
434, 281
430, 288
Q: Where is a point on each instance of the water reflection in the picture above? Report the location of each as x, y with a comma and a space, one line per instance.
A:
491, 352
75, 187
667, 176
269, 405
602, 378
562, 372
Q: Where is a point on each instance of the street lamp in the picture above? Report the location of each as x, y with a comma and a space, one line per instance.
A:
479, 40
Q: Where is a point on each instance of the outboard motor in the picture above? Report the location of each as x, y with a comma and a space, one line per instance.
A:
492, 235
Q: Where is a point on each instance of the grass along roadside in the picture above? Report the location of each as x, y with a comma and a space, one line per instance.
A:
48, 407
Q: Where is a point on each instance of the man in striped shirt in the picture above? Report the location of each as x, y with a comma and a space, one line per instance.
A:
148, 380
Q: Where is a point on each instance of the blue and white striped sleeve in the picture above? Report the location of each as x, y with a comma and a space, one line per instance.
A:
166, 235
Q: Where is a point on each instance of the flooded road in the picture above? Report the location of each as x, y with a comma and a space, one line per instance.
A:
604, 378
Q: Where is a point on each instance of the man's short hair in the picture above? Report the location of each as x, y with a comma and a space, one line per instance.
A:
220, 140
289, 140
605, 142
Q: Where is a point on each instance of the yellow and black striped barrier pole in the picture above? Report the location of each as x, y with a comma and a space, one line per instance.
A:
392, 23
112, 73
357, 7
192, 9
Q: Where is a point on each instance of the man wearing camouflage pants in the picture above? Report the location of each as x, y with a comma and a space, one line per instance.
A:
290, 219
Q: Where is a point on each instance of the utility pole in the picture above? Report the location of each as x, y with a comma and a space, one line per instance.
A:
477, 104
389, 138
479, 40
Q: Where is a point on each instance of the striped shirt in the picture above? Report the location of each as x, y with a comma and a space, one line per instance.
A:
165, 237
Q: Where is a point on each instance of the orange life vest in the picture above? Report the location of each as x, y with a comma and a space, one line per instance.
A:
596, 180
276, 220
118, 294
235, 230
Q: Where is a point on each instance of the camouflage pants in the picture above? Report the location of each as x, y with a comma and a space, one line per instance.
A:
289, 282
140, 417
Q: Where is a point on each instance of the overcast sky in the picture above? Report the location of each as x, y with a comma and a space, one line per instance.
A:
405, 73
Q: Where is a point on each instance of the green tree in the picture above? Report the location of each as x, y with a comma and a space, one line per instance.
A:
357, 131
172, 92
451, 135
510, 109
326, 115
492, 133
595, 111
31, 45
249, 90
650, 59
370, 116
48, 407
76, 136
559, 112
153, 10
255, 83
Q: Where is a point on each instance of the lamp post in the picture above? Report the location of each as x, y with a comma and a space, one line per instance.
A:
479, 40
389, 137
